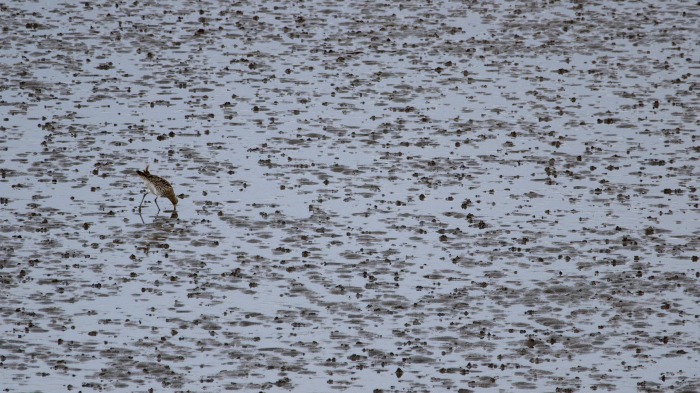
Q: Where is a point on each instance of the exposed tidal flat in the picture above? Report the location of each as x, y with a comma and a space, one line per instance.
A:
465, 196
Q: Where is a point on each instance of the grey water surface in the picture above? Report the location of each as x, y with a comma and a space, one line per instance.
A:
420, 196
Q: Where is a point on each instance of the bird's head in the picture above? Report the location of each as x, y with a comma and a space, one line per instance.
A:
172, 198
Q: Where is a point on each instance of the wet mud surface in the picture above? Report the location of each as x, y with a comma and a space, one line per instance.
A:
422, 196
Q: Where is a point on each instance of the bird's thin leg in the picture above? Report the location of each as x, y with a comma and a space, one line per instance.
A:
156, 201
144, 197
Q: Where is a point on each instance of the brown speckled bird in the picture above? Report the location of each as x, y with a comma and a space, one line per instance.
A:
157, 186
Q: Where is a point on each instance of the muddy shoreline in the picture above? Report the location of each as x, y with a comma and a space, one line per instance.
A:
425, 196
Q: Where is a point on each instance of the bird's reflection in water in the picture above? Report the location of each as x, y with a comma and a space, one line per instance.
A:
158, 218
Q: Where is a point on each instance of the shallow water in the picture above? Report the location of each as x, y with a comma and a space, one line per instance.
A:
425, 196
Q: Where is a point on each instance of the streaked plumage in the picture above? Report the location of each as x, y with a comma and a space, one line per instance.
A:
157, 186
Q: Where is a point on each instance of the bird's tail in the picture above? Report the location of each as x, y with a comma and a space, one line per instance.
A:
145, 173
